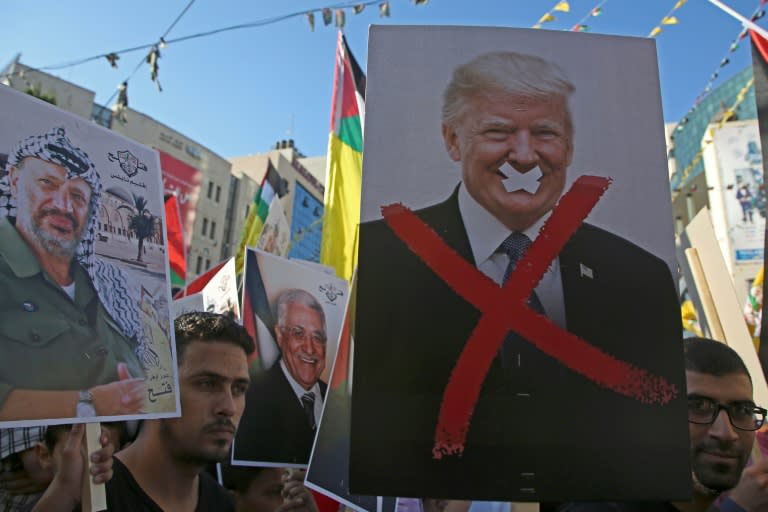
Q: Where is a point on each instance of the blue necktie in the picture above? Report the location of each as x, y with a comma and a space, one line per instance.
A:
514, 246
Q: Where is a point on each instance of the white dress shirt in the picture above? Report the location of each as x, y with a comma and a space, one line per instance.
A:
486, 233
299, 391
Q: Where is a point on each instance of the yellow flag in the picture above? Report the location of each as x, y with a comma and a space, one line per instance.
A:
669, 20
656, 31
690, 322
547, 17
563, 6
679, 4
345, 161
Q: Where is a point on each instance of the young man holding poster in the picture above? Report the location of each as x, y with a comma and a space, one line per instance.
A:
164, 469
507, 121
68, 349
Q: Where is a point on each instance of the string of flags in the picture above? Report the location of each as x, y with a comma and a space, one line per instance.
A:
756, 15
564, 7
153, 56
113, 57
560, 6
597, 10
726, 116
669, 19
329, 15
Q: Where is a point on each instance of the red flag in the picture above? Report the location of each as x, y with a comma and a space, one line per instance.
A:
760, 43
176, 251
341, 370
324, 503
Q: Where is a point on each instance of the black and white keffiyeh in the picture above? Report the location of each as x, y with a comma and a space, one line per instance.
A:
111, 283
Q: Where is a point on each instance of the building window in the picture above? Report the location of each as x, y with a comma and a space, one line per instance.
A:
101, 115
210, 189
205, 226
199, 266
207, 264
247, 210
213, 229
218, 193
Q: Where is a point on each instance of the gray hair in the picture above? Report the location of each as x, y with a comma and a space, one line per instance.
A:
510, 72
297, 296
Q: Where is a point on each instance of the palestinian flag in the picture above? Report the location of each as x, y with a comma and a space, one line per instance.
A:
345, 164
198, 284
257, 313
340, 380
176, 252
271, 185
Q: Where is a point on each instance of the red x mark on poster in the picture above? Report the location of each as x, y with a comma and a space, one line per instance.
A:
505, 308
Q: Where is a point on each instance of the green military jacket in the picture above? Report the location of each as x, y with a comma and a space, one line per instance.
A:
47, 341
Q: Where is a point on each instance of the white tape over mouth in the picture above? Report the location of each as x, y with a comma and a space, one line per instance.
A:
528, 181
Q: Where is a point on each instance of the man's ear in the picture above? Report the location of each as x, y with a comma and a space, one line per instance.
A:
451, 139
279, 337
13, 178
43, 455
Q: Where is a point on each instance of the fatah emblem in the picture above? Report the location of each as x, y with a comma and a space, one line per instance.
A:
128, 162
331, 292
224, 284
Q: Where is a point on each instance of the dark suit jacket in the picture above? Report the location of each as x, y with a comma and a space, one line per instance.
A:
274, 427
545, 434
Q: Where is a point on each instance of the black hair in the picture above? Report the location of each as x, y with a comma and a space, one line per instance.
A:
703, 355
209, 327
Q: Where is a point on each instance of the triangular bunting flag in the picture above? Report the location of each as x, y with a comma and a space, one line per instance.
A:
679, 4
669, 20
357, 9
597, 11
327, 16
311, 20
656, 31
563, 6
547, 17
384, 9
340, 18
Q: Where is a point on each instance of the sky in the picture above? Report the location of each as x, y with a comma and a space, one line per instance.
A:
238, 92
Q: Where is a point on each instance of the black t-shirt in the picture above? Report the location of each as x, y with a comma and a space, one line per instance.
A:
125, 495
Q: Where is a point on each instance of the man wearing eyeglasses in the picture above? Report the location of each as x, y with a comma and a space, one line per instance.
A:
284, 404
722, 420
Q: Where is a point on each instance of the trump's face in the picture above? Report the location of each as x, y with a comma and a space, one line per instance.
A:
51, 209
302, 342
525, 132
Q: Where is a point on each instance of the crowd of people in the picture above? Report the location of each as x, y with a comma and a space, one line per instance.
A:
161, 464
